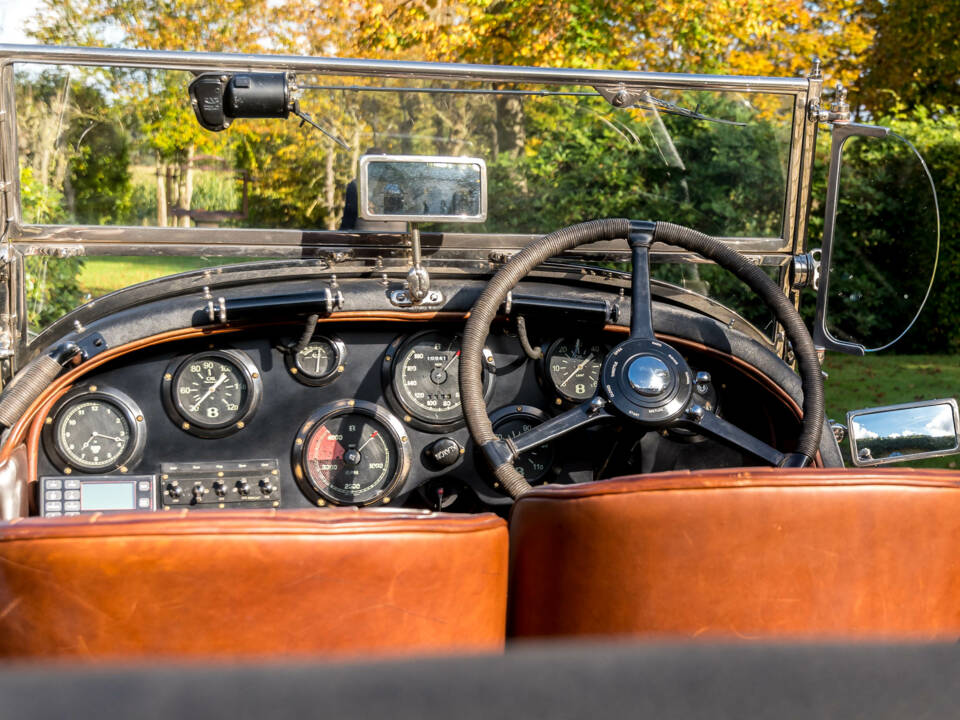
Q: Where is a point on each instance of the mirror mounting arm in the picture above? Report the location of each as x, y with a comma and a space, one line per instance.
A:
418, 279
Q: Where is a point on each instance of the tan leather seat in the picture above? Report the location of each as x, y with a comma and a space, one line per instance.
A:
252, 583
741, 554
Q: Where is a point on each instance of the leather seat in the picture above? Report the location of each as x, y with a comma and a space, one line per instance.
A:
259, 583
741, 554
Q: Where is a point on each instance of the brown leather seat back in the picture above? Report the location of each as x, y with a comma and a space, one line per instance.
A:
741, 554
254, 583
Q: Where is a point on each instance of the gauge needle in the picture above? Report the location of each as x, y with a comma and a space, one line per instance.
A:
317, 371
105, 437
210, 391
367, 440
577, 369
450, 362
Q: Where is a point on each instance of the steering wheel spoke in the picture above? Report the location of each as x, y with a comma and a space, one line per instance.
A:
641, 309
712, 425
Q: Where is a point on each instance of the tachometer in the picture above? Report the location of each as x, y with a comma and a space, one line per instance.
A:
423, 373
95, 430
213, 393
351, 453
572, 368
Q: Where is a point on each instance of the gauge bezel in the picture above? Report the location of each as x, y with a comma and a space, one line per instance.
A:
398, 434
302, 376
251, 375
415, 417
506, 413
558, 396
122, 402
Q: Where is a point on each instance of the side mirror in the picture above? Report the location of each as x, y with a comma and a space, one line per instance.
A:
903, 432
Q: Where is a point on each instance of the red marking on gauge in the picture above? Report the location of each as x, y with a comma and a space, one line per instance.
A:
324, 448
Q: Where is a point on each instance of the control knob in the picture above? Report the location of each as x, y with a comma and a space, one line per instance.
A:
267, 487
243, 487
219, 488
174, 491
198, 492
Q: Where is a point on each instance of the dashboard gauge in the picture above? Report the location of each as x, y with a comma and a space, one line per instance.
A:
213, 393
514, 420
573, 368
95, 430
423, 373
320, 362
351, 453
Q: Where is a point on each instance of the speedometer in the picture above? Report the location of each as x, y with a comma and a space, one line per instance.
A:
351, 453
423, 373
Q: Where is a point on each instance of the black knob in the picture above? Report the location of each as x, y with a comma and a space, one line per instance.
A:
219, 488
266, 487
198, 492
442, 453
243, 487
174, 491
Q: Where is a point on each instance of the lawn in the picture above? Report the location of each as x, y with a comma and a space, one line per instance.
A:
887, 379
853, 382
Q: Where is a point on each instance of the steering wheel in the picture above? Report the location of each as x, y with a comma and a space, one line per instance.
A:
643, 379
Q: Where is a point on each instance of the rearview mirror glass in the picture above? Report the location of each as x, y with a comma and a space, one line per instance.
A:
903, 432
422, 189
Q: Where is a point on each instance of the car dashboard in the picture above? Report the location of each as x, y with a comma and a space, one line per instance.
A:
358, 411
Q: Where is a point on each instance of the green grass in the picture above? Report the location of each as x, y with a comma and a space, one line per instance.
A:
886, 379
101, 275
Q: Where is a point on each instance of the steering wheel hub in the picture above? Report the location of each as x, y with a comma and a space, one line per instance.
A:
648, 375
647, 380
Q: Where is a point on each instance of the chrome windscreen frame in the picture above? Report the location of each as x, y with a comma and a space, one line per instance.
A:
380, 249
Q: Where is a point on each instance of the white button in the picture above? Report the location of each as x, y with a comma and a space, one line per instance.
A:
53, 484
54, 514
70, 513
144, 485
74, 505
71, 494
143, 503
53, 495
53, 506
71, 484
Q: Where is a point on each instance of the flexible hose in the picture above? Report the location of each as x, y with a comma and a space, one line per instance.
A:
25, 386
484, 310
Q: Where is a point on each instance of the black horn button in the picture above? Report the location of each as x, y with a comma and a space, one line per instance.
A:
647, 380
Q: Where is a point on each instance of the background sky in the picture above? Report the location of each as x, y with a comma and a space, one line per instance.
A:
13, 18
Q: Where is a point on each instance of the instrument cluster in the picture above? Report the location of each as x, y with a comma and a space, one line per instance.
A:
354, 417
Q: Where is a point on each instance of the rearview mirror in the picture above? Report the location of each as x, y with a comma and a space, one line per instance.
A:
903, 432
418, 188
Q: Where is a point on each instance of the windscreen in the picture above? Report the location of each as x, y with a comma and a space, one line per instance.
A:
121, 147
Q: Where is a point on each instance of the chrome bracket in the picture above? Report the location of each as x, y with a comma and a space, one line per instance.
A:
402, 298
839, 111
418, 279
805, 270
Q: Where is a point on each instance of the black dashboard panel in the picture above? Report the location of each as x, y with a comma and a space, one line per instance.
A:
444, 470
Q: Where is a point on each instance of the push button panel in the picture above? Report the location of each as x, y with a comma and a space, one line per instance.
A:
64, 496
250, 483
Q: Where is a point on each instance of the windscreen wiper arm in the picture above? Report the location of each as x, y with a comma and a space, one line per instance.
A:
623, 97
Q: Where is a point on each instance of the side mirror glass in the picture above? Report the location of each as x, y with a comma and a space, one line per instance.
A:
903, 432
418, 188
881, 240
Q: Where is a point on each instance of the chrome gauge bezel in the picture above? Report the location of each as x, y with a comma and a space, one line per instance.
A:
398, 435
558, 396
414, 416
251, 376
301, 375
120, 401
508, 412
